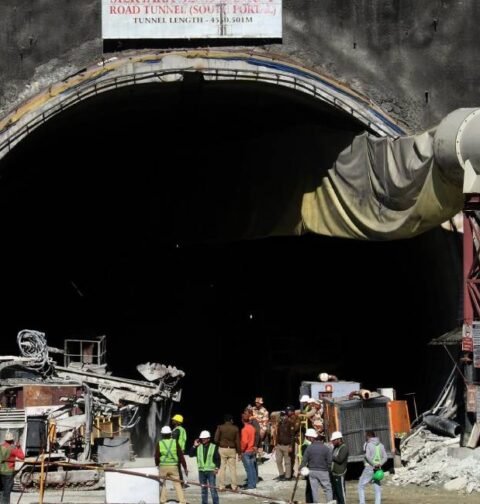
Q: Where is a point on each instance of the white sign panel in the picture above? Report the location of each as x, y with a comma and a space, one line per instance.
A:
121, 488
185, 19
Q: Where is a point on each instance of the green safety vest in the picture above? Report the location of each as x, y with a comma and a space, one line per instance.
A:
182, 436
205, 465
377, 458
305, 443
168, 452
5, 453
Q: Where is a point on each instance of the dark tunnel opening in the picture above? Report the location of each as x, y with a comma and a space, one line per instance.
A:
144, 214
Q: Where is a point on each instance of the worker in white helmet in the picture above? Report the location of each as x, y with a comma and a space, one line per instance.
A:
208, 462
339, 466
168, 455
318, 459
9, 453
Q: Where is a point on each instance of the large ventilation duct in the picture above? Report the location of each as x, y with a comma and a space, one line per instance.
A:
456, 148
385, 188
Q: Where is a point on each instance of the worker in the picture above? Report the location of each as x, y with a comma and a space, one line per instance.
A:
248, 450
258, 439
285, 446
295, 423
168, 455
339, 466
315, 415
261, 415
308, 488
318, 459
375, 458
180, 434
227, 438
9, 453
208, 462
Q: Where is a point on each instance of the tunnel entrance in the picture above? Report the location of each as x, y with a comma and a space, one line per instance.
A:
160, 212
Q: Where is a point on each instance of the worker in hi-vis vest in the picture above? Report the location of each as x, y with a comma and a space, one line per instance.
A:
208, 462
9, 453
375, 458
168, 455
180, 434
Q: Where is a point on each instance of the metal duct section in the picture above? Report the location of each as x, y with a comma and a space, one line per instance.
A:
456, 148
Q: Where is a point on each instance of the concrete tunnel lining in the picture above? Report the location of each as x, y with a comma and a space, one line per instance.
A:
214, 65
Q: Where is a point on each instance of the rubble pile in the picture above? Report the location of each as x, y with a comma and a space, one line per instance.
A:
427, 462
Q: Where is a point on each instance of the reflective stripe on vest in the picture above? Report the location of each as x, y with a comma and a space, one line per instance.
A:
182, 436
305, 443
5, 453
205, 465
377, 458
168, 452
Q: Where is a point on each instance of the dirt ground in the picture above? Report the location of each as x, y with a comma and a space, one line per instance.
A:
268, 491
281, 491
391, 495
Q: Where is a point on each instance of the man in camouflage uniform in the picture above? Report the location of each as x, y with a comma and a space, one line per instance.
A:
260, 413
315, 416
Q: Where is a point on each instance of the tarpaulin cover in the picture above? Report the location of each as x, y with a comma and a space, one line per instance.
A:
382, 189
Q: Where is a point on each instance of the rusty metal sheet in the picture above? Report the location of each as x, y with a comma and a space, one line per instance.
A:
46, 395
399, 416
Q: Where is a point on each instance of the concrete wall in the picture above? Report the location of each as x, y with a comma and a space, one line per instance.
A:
415, 58
394, 51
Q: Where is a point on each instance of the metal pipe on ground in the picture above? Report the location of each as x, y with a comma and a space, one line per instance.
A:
442, 426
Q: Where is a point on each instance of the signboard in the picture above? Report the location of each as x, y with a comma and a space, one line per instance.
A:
467, 340
472, 391
190, 19
476, 343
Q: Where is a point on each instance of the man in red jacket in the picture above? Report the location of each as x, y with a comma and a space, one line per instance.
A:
249, 451
8, 454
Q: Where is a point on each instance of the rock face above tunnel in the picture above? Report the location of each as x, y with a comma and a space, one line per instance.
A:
362, 43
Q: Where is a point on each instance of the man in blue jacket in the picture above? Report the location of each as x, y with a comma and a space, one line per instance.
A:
318, 459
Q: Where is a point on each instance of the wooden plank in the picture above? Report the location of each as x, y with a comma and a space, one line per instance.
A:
474, 436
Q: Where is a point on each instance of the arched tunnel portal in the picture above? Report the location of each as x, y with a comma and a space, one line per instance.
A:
166, 209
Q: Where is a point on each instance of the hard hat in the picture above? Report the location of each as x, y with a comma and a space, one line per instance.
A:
166, 430
336, 435
304, 398
204, 434
378, 475
178, 418
9, 436
311, 433
323, 377
305, 471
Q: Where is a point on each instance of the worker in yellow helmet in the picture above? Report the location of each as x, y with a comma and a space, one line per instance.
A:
180, 434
